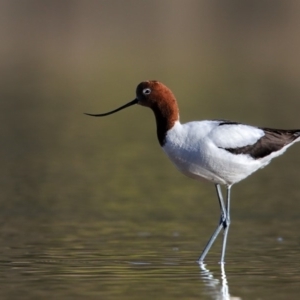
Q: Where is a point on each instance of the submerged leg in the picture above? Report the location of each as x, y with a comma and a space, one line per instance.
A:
222, 224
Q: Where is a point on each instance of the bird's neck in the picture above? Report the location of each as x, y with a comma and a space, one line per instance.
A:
165, 116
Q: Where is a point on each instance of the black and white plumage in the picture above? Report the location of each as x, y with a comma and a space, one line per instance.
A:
218, 151
222, 152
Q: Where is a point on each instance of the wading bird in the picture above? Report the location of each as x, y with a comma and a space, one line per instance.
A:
219, 151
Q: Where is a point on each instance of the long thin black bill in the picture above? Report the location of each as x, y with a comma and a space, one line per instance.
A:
135, 101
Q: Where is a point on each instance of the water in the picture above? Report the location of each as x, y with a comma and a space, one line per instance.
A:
111, 260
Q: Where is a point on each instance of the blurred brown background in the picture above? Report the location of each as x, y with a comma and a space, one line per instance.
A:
91, 206
223, 59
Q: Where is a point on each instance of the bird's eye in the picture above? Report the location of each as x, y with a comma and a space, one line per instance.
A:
146, 91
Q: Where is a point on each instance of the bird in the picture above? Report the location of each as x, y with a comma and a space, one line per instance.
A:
218, 151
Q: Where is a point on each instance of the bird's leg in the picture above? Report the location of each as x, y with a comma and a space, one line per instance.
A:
222, 224
223, 216
226, 224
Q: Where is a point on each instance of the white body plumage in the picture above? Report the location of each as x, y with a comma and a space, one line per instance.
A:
198, 150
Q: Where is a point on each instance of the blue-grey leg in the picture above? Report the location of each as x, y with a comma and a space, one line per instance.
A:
222, 224
226, 224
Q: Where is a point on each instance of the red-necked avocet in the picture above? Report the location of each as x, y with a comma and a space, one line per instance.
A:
222, 152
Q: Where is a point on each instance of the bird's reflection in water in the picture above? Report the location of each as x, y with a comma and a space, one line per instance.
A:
217, 289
